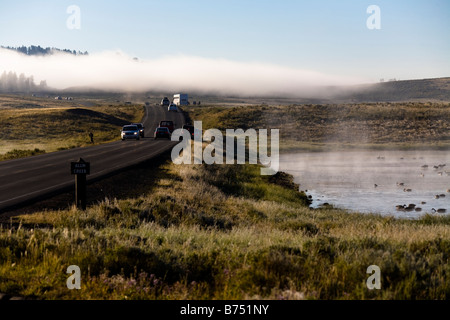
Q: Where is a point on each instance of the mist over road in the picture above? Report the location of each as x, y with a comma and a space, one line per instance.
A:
29, 179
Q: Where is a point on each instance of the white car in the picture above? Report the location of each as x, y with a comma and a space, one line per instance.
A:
172, 107
130, 132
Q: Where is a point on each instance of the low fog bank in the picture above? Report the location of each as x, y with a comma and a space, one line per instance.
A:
116, 71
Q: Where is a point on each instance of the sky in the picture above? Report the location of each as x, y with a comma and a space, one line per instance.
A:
326, 37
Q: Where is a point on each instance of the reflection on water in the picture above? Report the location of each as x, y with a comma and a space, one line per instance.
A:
374, 181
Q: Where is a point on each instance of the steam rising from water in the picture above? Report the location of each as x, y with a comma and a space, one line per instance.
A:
118, 71
373, 181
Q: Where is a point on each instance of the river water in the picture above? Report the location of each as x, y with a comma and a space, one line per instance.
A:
374, 181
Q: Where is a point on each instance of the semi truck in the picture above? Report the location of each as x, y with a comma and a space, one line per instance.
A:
180, 99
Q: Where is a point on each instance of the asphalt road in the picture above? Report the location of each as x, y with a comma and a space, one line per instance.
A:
30, 179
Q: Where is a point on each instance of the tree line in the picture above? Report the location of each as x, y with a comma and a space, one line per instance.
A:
38, 50
10, 82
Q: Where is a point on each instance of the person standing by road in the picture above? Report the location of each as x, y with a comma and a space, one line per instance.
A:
91, 135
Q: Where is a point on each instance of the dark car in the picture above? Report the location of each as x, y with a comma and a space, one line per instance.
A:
172, 107
189, 128
162, 132
168, 124
165, 102
141, 129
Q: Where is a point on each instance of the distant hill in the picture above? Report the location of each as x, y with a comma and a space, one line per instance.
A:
408, 90
424, 90
429, 90
38, 50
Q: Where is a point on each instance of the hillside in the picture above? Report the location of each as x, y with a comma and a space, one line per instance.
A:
408, 90
424, 90
53, 125
379, 125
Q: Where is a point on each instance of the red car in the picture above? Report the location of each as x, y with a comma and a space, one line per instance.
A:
168, 124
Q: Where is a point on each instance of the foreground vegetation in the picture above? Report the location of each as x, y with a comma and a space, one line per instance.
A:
222, 232
34, 127
226, 232
339, 126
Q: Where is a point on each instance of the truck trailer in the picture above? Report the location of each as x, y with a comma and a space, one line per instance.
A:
180, 99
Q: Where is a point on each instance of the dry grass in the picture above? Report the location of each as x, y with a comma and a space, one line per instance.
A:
322, 127
53, 126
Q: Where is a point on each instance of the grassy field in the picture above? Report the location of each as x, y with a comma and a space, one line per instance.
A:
36, 125
335, 127
221, 232
226, 232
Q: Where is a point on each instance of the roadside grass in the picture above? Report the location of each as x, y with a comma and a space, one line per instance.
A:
222, 232
32, 131
14, 154
315, 127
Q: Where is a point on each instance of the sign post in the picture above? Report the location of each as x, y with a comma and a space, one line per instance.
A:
80, 169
